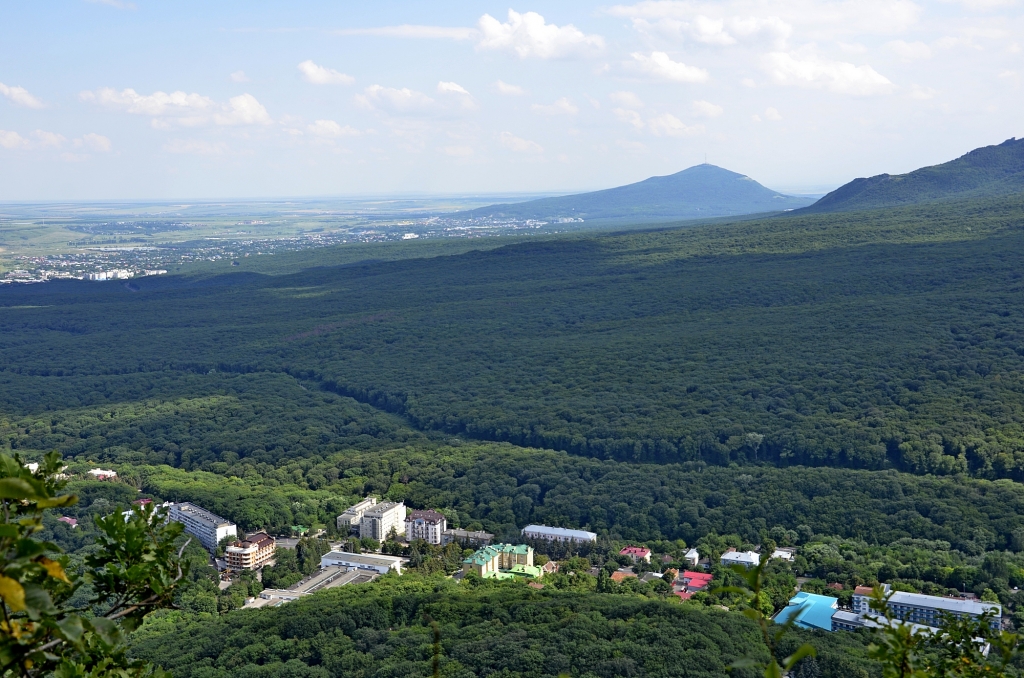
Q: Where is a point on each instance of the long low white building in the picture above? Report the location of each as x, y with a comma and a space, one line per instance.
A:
560, 534
362, 561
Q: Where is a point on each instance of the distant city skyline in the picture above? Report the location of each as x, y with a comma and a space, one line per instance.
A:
117, 100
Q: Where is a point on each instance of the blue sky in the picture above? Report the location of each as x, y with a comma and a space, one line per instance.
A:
155, 100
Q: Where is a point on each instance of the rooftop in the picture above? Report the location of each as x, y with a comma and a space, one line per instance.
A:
560, 532
382, 508
426, 515
809, 611
362, 558
635, 551
201, 514
954, 605
741, 557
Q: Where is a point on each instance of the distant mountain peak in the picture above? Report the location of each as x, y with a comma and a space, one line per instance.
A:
700, 191
984, 172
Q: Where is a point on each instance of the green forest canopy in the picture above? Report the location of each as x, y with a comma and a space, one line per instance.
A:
868, 340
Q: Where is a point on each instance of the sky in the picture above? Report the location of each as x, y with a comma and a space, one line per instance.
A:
147, 100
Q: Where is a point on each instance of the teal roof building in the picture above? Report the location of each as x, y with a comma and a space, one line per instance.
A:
809, 611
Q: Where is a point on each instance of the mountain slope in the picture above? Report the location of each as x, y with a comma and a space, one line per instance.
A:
697, 192
984, 172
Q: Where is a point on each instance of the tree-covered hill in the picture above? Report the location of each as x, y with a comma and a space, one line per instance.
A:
511, 630
699, 192
877, 339
988, 171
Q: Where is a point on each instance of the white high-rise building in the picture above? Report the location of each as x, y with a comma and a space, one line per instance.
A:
378, 521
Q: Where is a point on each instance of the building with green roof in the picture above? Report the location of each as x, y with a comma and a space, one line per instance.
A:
502, 561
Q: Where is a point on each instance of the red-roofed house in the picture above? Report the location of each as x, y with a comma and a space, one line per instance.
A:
71, 522
621, 575
637, 553
691, 582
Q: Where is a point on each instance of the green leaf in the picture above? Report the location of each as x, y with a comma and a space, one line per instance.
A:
106, 630
71, 628
16, 488
38, 602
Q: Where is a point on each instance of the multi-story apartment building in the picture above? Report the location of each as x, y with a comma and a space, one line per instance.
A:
918, 608
558, 534
377, 522
466, 537
349, 521
501, 560
207, 527
250, 553
426, 525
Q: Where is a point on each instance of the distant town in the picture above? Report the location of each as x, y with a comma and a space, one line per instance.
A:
121, 249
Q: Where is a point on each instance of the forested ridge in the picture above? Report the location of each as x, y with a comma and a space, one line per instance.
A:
871, 340
493, 629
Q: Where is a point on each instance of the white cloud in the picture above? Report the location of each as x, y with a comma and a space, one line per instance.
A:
626, 99
771, 113
194, 147
910, 50
853, 47
119, 4
722, 31
465, 99
837, 76
824, 18
707, 109
509, 90
561, 107
239, 76
632, 146
518, 144
661, 67
451, 88
243, 110
176, 104
328, 129
12, 140
413, 31
629, 116
669, 125
96, 142
405, 100
20, 96
922, 93
458, 151
528, 35
188, 110
321, 75
49, 138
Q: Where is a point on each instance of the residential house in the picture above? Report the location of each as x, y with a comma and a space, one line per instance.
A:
637, 554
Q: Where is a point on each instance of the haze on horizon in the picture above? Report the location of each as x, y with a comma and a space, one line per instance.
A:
109, 99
